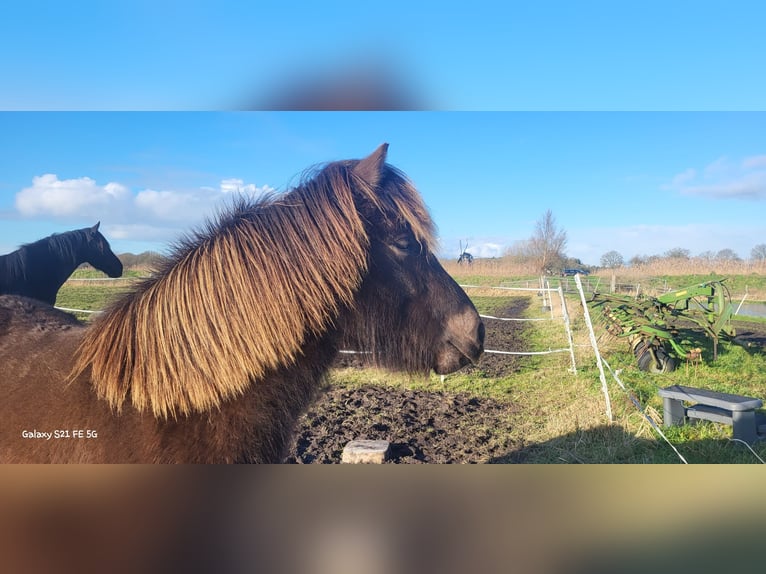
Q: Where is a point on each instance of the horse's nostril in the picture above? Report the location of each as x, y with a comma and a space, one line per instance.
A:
465, 332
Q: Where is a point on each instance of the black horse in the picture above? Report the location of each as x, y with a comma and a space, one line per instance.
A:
39, 269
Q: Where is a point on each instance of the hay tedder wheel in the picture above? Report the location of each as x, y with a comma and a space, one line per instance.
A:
653, 358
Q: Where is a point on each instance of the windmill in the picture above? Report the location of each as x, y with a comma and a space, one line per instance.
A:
464, 257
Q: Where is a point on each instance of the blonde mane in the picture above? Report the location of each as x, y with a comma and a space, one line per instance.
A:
240, 297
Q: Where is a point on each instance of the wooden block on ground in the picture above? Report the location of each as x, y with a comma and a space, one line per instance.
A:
365, 452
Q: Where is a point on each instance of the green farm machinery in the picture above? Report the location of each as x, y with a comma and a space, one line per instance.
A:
652, 325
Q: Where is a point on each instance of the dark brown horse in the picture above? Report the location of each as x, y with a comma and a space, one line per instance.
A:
214, 357
39, 269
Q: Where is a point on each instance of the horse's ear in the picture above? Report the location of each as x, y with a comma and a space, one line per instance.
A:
369, 168
93, 230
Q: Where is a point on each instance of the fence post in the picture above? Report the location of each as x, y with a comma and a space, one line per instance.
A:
565, 313
593, 343
550, 297
543, 292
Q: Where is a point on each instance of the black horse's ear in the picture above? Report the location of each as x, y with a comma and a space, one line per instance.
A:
93, 230
369, 168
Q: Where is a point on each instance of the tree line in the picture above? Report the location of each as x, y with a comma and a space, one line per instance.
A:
147, 259
545, 252
612, 259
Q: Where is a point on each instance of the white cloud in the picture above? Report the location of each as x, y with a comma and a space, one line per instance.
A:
486, 250
449, 248
140, 231
139, 215
234, 185
724, 179
49, 195
170, 205
754, 161
684, 176
751, 186
195, 204
717, 168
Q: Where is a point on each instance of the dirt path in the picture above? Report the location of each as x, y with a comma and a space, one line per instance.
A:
422, 426
751, 335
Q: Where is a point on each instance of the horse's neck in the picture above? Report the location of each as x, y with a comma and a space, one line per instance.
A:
258, 424
8, 265
48, 277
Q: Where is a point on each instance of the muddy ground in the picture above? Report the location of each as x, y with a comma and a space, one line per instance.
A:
422, 426
751, 335
432, 427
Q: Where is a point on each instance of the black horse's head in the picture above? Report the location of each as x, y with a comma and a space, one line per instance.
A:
409, 313
95, 250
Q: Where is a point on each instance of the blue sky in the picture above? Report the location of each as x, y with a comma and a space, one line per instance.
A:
542, 55
636, 182
584, 85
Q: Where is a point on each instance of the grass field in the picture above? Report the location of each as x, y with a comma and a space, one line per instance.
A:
558, 416
741, 278
87, 289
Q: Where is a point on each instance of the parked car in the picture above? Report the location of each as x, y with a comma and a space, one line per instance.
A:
571, 272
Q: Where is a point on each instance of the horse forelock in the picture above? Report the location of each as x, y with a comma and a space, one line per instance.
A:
237, 298
400, 205
409, 206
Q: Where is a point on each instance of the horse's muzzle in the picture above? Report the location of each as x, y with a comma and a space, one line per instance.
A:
463, 343
115, 270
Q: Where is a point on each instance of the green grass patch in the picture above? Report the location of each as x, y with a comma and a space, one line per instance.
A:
738, 284
88, 272
80, 293
748, 319
89, 296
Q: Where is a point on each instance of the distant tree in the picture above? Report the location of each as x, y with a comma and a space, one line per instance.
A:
572, 263
638, 260
612, 259
518, 250
677, 253
547, 243
707, 256
727, 255
758, 253
518, 254
147, 259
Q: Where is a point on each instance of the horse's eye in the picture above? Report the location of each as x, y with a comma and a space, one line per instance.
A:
403, 244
